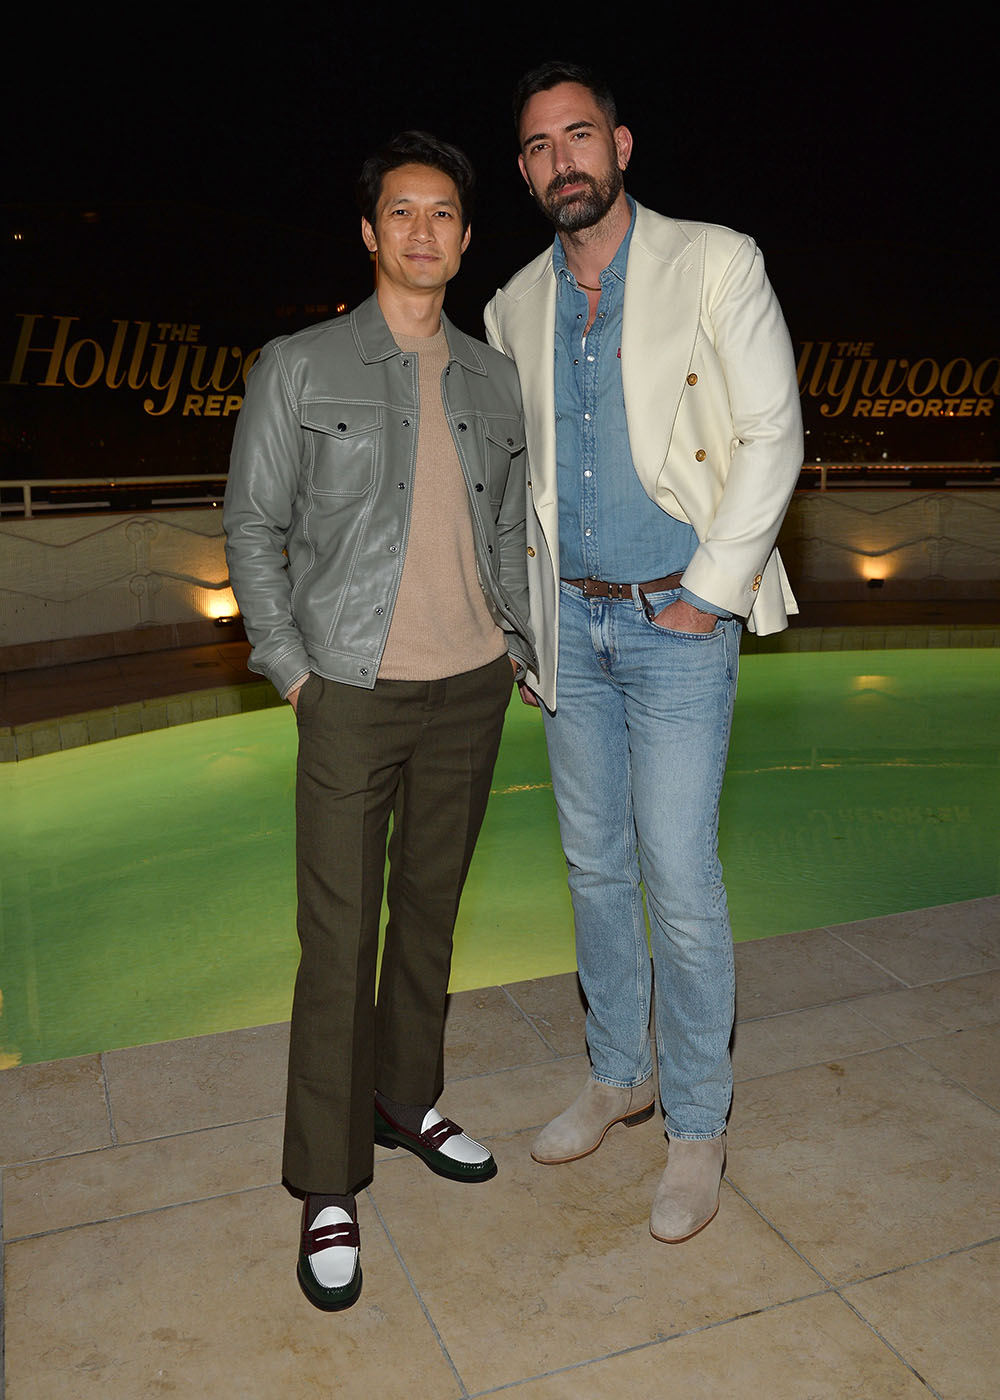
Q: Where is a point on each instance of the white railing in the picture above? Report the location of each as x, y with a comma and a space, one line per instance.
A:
831, 474
876, 475
28, 506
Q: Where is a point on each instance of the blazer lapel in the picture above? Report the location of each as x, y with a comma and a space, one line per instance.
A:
660, 323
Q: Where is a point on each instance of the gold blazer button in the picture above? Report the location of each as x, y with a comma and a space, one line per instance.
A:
692, 379
700, 455
531, 552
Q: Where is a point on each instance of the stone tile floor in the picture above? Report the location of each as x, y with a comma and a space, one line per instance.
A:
149, 1247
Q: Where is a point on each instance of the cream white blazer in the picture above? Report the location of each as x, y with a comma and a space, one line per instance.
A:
712, 406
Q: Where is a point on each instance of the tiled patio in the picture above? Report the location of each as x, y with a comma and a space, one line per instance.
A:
149, 1248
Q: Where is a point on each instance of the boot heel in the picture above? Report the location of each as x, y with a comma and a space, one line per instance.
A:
632, 1120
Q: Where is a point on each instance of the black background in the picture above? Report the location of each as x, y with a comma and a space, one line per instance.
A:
201, 164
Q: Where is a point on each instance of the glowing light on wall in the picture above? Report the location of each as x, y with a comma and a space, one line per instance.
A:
221, 604
875, 569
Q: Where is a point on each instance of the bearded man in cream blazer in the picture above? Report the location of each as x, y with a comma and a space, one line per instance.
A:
664, 441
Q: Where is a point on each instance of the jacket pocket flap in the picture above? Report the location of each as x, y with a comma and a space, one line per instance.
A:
340, 420
507, 434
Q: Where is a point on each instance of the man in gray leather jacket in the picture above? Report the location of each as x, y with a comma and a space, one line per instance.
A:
375, 522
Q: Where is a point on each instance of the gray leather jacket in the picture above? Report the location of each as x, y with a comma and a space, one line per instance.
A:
317, 504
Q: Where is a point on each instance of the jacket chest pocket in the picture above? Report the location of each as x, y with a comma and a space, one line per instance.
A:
504, 442
344, 443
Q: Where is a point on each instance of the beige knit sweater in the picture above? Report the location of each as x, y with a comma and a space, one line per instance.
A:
440, 625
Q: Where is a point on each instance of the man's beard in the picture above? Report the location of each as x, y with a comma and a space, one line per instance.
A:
585, 209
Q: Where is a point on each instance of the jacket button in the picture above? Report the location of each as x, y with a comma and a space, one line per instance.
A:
406, 422
489, 549
406, 363
700, 455
692, 379
341, 427
400, 485
510, 442
531, 552
394, 549
363, 671
462, 427
756, 582
479, 485
379, 612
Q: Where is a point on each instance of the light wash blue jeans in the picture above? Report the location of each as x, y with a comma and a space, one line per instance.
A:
637, 748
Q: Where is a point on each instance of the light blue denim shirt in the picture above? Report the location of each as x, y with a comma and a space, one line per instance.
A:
609, 528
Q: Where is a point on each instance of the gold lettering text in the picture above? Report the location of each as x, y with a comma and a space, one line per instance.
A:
54, 351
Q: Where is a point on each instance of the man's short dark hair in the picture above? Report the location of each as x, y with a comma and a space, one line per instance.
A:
416, 148
550, 75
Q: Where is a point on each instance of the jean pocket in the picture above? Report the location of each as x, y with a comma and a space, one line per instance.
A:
656, 602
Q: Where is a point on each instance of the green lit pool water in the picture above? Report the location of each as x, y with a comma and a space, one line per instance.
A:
148, 884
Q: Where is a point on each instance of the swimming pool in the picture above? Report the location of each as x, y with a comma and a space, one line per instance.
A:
148, 884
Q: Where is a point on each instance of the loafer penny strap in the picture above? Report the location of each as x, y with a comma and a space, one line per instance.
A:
439, 1134
345, 1236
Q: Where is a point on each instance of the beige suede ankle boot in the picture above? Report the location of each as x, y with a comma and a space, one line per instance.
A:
581, 1128
687, 1197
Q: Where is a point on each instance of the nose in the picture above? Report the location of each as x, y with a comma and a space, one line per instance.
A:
423, 229
562, 157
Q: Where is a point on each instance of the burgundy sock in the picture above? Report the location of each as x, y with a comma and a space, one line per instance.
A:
406, 1115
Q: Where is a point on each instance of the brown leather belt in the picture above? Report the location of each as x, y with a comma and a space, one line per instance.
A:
598, 588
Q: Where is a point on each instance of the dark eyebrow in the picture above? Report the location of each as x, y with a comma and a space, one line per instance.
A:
541, 135
447, 203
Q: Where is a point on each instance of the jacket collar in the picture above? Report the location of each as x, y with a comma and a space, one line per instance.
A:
659, 237
374, 341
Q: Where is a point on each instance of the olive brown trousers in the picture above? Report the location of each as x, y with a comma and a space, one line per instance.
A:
421, 755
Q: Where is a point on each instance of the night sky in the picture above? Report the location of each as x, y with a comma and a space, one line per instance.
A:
857, 149
831, 139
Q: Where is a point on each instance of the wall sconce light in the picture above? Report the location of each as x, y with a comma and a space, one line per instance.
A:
220, 605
